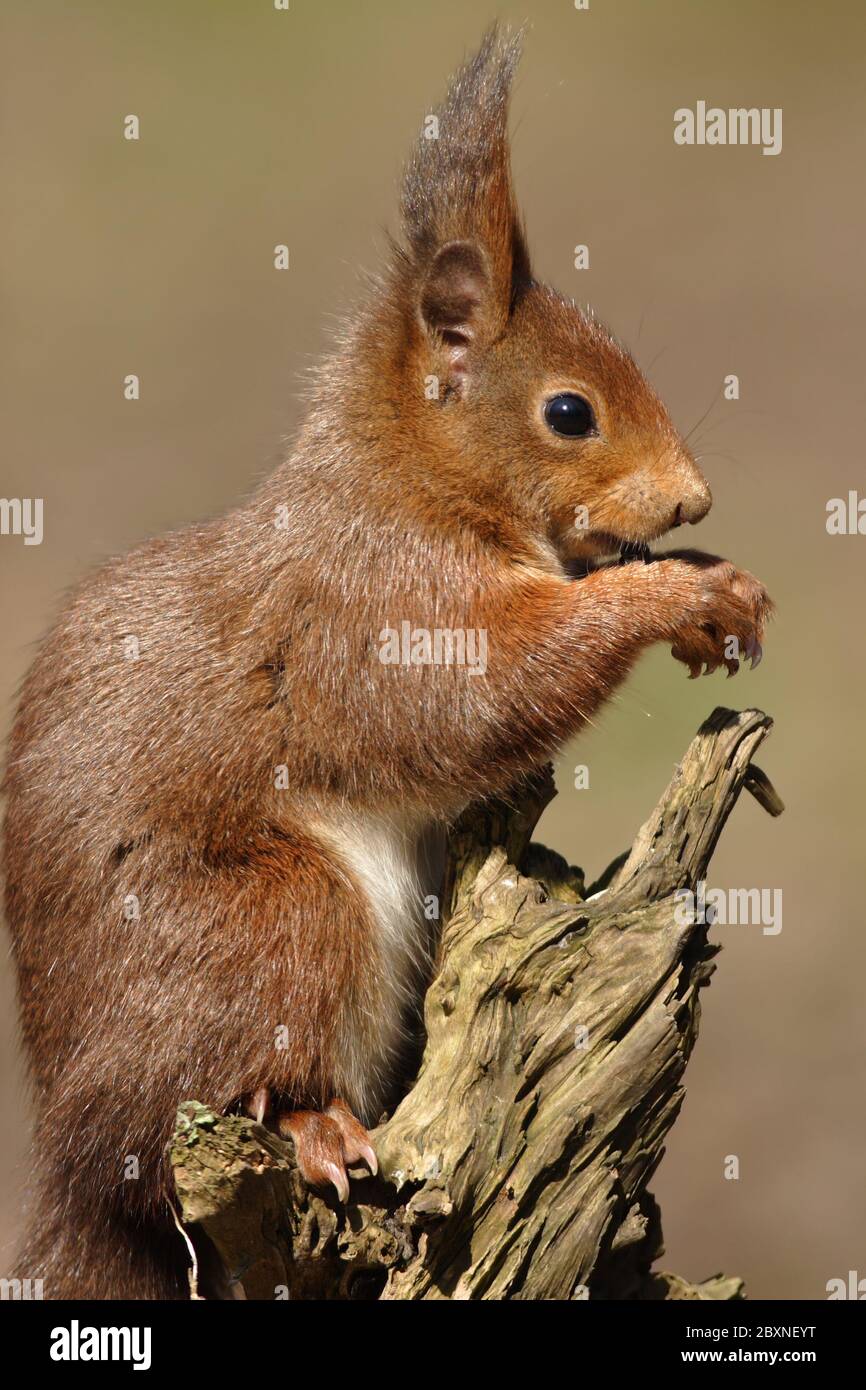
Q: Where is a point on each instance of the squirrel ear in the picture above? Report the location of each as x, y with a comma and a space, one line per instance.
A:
455, 299
465, 243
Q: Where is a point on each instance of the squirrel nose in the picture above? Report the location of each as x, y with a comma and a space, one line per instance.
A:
694, 505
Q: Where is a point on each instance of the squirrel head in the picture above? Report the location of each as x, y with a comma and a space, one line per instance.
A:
502, 388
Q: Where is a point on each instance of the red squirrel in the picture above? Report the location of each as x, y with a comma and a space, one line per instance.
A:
227, 800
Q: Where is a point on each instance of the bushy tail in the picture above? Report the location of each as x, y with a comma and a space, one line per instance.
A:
98, 1253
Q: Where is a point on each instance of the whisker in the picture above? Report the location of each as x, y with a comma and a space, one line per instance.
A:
701, 421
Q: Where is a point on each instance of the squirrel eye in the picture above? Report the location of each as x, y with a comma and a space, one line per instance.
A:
569, 414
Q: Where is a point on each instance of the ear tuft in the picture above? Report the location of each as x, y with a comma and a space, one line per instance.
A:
457, 188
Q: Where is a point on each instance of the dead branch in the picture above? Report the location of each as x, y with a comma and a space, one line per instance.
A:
558, 1028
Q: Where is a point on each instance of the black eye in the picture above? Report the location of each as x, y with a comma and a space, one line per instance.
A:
569, 414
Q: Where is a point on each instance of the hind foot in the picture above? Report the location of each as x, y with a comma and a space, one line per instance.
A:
327, 1142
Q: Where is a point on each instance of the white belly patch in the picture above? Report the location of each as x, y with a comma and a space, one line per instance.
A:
396, 859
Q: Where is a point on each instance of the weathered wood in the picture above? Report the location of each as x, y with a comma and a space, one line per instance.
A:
558, 1028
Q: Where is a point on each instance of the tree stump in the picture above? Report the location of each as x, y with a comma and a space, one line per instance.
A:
558, 1027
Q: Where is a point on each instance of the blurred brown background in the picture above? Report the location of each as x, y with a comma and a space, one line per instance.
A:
156, 257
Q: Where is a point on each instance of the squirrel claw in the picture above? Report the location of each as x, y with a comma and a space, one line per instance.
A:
258, 1105
327, 1143
356, 1141
340, 1178
753, 652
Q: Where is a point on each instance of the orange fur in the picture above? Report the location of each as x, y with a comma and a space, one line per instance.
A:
258, 637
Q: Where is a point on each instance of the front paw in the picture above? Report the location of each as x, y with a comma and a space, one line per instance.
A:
727, 621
